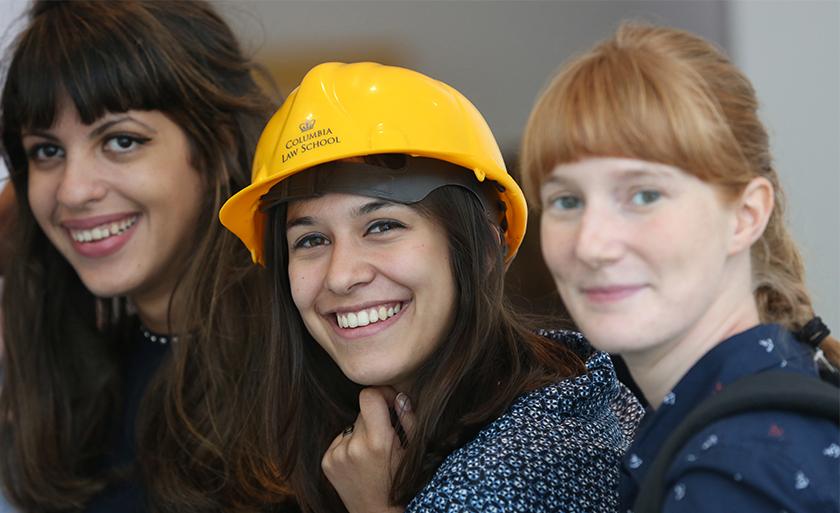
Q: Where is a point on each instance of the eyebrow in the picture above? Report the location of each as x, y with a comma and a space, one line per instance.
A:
372, 206
116, 121
360, 211
96, 131
299, 221
38, 133
632, 173
622, 175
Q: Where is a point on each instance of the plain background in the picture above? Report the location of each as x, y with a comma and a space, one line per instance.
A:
501, 53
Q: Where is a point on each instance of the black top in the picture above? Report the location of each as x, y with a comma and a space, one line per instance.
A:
138, 367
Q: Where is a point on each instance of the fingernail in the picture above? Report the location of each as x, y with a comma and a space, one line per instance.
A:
403, 402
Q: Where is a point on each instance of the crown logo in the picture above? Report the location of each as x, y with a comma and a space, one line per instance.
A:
307, 125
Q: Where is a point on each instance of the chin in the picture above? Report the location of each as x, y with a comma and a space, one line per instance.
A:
365, 378
608, 337
106, 289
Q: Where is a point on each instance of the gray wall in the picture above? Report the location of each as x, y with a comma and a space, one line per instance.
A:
791, 51
500, 54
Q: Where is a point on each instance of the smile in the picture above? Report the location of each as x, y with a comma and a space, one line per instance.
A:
611, 294
103, 231
368, 315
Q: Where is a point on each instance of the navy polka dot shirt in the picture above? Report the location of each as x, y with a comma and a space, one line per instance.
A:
557, 448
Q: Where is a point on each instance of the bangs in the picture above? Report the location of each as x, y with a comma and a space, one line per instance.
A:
98, 68
624, 103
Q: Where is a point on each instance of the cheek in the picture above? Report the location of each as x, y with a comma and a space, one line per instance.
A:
302, 284
182, 191
691, 247
556, 245
41, 194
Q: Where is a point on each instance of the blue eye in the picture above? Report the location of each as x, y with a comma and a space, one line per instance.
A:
565, 202
384, 226
310, 241
645, 197
123, 143
45, 151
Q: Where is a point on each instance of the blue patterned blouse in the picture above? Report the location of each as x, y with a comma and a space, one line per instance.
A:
557, 448
758, 461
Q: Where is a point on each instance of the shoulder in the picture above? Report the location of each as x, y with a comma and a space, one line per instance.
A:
774, 457
596, 392
573, 339
533, 458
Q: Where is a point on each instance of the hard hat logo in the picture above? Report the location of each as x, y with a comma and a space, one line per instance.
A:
308, 142
307, 125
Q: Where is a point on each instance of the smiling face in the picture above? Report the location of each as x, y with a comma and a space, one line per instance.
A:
640, 252
373, 283
119, 199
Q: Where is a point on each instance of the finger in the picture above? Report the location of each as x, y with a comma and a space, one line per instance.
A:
337, 454
405, 413
375, 416
337, 441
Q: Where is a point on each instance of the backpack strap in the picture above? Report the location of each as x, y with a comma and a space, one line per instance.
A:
773, 390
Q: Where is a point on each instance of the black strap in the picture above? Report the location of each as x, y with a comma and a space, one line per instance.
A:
813, 333
775, 390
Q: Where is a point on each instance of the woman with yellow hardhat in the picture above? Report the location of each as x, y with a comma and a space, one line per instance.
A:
397, 376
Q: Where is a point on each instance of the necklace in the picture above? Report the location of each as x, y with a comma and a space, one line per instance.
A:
154, 337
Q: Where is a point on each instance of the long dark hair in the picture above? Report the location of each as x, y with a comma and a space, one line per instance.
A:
305, 400
63, 345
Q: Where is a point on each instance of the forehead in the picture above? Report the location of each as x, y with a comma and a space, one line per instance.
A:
338, 205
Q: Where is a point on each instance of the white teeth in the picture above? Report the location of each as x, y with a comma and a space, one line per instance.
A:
364, 320
366, 316
104, 231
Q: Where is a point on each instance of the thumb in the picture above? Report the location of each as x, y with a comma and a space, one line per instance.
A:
405, 413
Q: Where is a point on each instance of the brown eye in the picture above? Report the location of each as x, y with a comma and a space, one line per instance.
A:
123, 143
311, 241
384, 226
45, 151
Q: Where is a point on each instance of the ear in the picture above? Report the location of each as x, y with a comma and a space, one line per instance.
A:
752, 211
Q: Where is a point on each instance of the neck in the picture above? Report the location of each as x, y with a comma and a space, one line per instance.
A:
658, 369
153, 311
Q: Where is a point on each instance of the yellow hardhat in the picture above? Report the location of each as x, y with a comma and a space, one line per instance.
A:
348, 110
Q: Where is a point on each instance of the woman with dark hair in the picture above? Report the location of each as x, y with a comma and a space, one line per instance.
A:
125, 126
663, 227
396, 375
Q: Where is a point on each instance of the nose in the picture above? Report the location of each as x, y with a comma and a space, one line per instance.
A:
349, 268
80, 183
600, 235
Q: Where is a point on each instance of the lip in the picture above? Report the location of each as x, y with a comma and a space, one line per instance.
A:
610, 294
370, 329
92, 222
363, 306
105, 247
